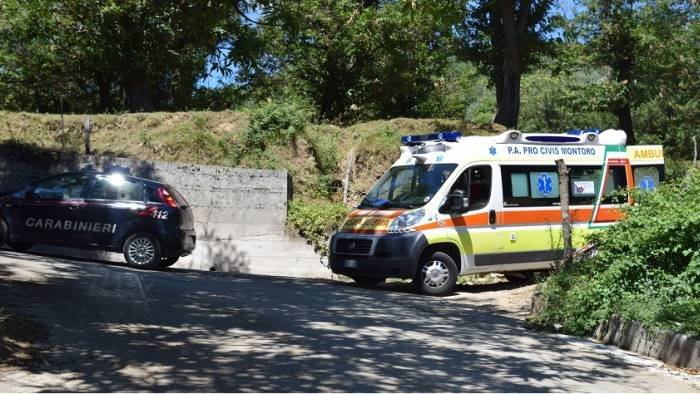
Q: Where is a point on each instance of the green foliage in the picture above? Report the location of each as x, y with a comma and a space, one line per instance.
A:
558, 102
355, 59
316, 221
647, 268
277, 123
108, 55
272, 123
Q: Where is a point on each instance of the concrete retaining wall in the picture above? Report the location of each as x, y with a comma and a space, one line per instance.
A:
673, 348
240, 214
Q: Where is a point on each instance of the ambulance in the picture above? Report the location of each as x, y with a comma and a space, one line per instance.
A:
453, 205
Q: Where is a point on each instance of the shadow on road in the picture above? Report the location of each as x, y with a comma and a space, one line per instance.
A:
117, 329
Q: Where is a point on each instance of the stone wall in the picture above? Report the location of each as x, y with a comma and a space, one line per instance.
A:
240, 214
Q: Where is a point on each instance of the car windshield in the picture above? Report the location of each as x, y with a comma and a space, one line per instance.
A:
407, 186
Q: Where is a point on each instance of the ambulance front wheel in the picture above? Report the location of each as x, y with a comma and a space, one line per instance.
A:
436, 275
143, 250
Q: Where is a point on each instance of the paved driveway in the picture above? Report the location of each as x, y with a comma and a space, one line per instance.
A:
114, 329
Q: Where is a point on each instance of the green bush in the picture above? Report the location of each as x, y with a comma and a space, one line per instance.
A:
647, 268
316, 221
277, 122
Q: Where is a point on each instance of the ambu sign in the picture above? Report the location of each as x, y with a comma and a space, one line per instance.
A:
70, 225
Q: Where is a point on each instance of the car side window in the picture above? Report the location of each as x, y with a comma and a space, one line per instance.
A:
116, 188
62, 187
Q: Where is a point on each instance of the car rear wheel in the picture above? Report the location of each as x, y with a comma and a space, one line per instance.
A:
367, 280
142, 251
437, 275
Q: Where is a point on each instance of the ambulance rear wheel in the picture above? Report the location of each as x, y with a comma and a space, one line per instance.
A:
436, 275
142, 250
367, 280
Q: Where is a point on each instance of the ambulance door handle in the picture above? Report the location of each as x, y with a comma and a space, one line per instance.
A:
492, 216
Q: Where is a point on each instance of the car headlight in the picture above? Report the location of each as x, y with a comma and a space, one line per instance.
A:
403, 222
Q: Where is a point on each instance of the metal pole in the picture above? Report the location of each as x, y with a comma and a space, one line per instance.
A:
565, 215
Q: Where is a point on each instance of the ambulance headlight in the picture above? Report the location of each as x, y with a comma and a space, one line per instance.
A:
403, 222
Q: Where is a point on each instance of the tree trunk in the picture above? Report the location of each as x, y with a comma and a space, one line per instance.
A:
509, 105
137, 96
104, 86
624, 121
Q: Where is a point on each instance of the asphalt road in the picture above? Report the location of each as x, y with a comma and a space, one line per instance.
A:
117, 329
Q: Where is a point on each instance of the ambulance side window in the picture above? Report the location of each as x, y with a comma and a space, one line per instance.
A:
479, 187
584, 184
615, 185
530, 186
62, 187
648, 177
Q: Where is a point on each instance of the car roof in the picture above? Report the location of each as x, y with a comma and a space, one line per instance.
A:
149, 182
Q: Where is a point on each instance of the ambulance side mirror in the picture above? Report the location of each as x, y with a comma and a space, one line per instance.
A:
457, 201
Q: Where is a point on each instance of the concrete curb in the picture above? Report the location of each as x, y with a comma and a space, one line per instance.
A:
673, 348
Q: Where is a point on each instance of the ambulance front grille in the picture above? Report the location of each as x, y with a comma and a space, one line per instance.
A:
353, 246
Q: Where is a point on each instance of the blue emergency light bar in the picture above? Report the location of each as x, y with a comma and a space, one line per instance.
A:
447, 136
593, 130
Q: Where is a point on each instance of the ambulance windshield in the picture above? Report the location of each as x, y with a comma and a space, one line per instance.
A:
407, 186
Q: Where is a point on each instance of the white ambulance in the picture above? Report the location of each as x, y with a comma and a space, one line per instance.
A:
453, 205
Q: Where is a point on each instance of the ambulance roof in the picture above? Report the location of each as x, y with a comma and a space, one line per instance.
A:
575, 147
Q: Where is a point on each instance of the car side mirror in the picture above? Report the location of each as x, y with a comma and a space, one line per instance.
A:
457, 201
30, 195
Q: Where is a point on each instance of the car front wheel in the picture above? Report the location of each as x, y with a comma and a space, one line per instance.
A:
142, 251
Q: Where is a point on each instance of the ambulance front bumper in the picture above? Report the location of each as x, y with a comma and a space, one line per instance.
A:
384, 255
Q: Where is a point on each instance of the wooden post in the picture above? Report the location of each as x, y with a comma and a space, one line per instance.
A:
87, 129
60, 100
348, 172
565, 216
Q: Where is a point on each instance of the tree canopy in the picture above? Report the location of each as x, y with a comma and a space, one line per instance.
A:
631, 64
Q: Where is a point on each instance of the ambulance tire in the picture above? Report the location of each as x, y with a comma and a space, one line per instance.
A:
367, 281
3, 232
436, 275
142, 250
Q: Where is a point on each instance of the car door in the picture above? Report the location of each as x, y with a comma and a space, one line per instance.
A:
49, 209
113, 203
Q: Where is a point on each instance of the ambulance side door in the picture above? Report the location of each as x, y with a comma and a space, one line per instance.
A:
473, 228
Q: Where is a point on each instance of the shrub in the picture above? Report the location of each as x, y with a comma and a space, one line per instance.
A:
277, 123
316, 221
647, 268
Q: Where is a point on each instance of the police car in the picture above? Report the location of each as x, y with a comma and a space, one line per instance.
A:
149, 222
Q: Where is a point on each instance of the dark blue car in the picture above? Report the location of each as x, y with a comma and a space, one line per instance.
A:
149, 222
